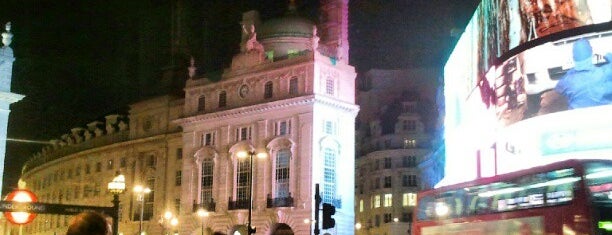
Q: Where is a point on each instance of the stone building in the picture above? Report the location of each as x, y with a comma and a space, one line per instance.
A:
289, 93
395, 133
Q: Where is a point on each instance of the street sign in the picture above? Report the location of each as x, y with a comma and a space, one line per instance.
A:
21, 216
48, 208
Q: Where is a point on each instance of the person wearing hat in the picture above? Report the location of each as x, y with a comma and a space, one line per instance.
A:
586, 84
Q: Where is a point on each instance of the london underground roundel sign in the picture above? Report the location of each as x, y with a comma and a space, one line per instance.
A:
20, 195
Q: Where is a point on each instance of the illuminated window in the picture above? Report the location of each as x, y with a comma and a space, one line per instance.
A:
409, 143
282, 173
409, 199
206, 181
222, 99
388, 200
243, 177
201, 103
376, 201
109, 164
361, 205
329, 175
268, 90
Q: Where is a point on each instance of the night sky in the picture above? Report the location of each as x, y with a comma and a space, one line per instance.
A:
79, 60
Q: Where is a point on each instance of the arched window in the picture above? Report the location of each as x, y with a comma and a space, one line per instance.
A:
281, 172
329, 174
243, 177
222, 99
268, 90
206, 181
201, 103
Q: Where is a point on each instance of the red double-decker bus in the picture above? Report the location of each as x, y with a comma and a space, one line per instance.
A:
563, 198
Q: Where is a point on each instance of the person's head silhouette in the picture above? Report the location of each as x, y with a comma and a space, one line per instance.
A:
89, 223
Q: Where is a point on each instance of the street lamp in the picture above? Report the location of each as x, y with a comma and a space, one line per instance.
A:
202, 213
250, 154
168, 218
140, 192
116, 187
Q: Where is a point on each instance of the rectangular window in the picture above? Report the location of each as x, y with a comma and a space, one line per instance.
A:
387, 182
201, 103
243, 177
361, 205
376, 201
329, 128
177, 205
123, 162
282, 127
151, 160
409, 180
98, 166
409, 143
243, 133
87, 169
268, 90
409, 125
388, 218
388, 200
409, 199
206, 183
293, 86
177, 178
388, 163
409, 161
282, 173
77, 172
329, 86
179, 153
222, 99
329, 175
208, 139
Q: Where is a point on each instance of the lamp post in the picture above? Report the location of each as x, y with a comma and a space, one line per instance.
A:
140, 192
202, 213
168, 218
116, 187
250, 154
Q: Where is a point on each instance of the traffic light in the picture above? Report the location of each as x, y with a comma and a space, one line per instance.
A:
328, 211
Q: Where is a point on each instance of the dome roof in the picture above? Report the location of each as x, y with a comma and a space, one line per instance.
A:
287, 26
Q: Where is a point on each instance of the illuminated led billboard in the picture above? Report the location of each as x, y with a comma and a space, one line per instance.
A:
506, 70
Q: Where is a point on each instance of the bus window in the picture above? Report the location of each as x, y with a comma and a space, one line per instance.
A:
598, 177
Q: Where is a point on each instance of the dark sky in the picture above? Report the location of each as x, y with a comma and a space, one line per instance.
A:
78, 60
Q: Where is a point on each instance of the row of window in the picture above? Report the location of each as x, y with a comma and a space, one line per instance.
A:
281, 176
387, 163
86, 169
268, 94
281, 128
386, 200
387, 182
388, 218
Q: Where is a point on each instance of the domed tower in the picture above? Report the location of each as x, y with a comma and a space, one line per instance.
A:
287, 35
290, 98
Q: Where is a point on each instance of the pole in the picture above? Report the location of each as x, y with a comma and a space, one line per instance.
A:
202, 225
115, 214
316, 210
250, 229
141, 197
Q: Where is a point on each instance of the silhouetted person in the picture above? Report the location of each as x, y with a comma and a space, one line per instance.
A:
89, 223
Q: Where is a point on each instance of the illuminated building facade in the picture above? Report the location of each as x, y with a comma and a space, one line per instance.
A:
289, 93
395, 126
506, 86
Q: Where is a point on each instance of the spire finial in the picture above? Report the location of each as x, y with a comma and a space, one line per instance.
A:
192, 68
7, 36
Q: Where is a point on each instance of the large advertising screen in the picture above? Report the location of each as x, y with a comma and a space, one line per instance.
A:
515, 61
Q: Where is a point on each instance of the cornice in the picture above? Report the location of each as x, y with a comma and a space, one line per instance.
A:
270, 106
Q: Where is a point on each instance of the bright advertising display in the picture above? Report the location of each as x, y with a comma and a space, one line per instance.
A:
528, 83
